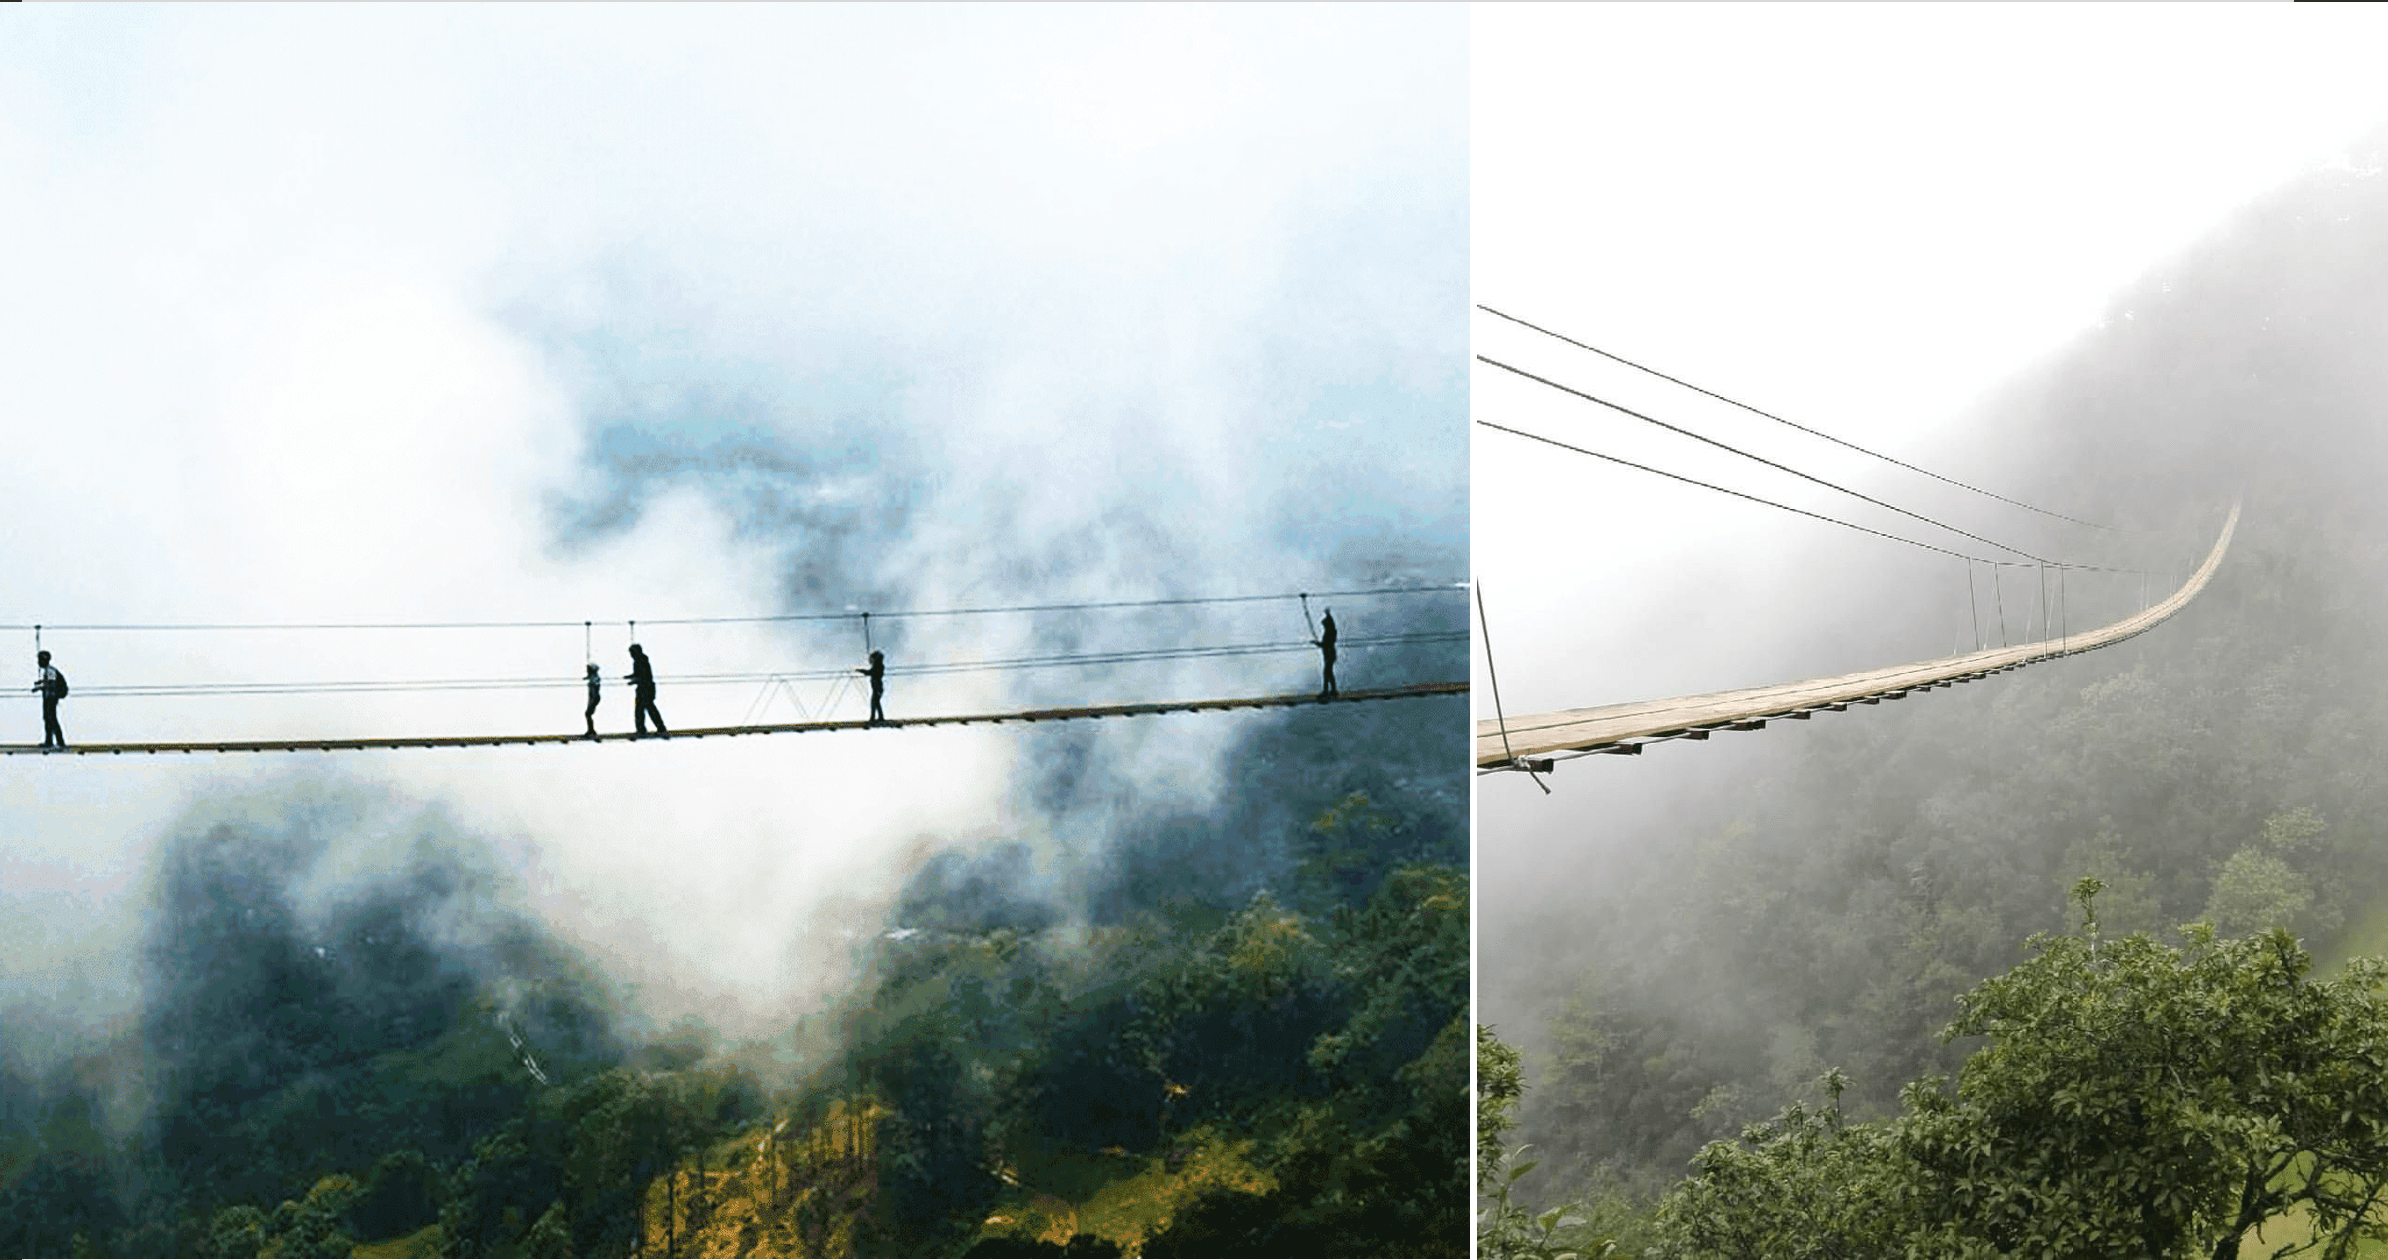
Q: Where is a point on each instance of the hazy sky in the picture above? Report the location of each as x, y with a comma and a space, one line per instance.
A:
461, 313
1863, 218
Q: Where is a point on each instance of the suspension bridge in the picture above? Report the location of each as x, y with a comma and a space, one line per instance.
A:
1534, 743
1410, 692
1413, 630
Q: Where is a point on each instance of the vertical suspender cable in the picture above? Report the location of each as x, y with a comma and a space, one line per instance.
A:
1973, 608
1495, 675
2028, 633
2002, 604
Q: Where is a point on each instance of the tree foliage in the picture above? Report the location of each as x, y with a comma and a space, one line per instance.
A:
2130, 1097
345, 1067
1499, 1085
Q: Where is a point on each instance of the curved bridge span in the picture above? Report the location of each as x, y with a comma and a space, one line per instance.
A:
1534, 741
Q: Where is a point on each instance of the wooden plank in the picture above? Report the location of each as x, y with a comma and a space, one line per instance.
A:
1605, 726
1412, 692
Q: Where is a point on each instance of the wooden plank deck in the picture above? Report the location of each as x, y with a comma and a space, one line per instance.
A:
1624, 727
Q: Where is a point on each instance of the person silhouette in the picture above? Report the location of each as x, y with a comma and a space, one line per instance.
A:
52, 686
877, 673
642, 681
589, 715
1326, 649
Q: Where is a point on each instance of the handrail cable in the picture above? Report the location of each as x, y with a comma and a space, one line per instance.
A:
931, 668
1889, 459
1863, 529
1727, 446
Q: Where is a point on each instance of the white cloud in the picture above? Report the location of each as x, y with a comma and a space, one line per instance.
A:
300, 324
1861, 218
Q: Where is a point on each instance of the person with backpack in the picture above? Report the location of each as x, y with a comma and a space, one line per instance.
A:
642, 682
52, 686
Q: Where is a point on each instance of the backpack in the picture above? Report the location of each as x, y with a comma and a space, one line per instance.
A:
61, 681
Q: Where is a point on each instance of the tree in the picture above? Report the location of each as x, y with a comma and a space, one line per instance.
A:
320, 1227
2133, 1098
1806, 1185
552, 1236
1506, 1230
2258, 887
239, 1230
1498, 1087
487, 1193
401, 1195
2256, 890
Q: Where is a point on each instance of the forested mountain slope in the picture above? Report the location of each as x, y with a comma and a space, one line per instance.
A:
1239, 1030
1830, 891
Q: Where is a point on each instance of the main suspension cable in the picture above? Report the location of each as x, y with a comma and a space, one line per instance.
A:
1727, 446
1080, 606
1738, 494
1888, 459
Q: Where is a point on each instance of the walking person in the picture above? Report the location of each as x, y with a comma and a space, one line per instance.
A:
1326, 648
642, 682
590, 714
52, 686
877, 673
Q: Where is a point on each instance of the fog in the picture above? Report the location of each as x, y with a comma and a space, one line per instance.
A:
2020, 289
613, 315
